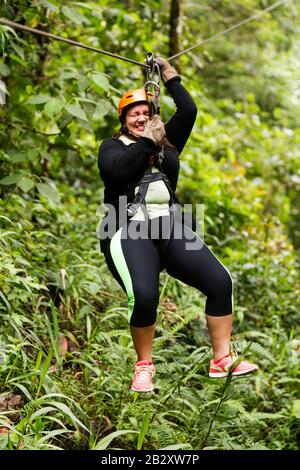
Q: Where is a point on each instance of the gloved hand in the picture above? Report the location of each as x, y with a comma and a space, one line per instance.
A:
166, 70
154, 129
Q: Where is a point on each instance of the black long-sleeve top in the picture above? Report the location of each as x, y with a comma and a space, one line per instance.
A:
121, 165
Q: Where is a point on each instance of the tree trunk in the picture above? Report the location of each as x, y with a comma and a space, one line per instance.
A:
175, 14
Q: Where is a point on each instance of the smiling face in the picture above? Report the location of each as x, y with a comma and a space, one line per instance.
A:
136, 118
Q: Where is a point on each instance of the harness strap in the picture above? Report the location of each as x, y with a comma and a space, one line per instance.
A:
140, 198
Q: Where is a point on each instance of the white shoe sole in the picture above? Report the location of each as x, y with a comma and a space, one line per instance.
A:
148, 390
219, 375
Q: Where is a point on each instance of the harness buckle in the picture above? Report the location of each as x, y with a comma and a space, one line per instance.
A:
132, 207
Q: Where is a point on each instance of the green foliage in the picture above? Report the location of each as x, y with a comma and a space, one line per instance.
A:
66, 355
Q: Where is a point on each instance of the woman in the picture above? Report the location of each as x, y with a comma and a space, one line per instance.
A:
141, 164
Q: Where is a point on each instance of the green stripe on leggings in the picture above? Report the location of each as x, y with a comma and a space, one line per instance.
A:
121, 266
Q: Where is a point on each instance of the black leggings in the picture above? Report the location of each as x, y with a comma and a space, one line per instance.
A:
136, 262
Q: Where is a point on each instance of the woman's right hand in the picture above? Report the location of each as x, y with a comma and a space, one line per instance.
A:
155, 129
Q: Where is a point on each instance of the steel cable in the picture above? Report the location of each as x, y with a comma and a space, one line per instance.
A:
12, 24
231, 28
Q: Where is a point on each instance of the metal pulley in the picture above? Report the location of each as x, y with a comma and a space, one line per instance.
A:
152, 87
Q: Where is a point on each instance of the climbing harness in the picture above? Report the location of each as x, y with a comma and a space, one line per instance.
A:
143, 185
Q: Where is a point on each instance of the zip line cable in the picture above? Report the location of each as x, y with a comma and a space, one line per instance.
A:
13, 24
231, 28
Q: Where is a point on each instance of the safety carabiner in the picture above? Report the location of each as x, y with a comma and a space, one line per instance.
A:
153, 79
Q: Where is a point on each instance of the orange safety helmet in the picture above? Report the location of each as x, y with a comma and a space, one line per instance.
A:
131, 97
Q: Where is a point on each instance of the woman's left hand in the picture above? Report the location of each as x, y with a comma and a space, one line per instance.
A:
166, 69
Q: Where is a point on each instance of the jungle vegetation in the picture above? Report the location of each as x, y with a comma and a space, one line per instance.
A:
66, 356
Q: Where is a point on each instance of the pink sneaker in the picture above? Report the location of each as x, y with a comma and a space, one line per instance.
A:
222, 367
142, 379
